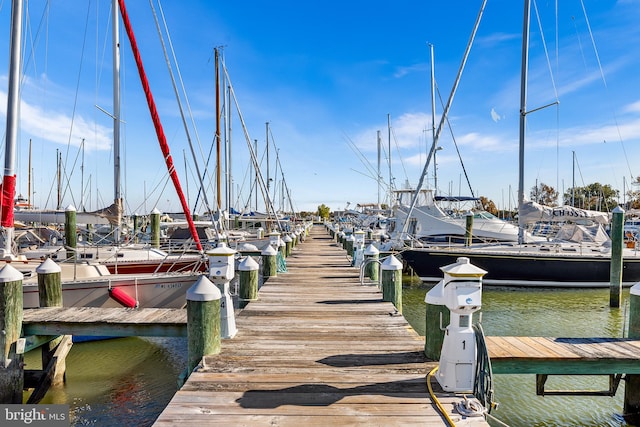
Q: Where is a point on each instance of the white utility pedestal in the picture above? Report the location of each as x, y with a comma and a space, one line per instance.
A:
221, 272
461, 291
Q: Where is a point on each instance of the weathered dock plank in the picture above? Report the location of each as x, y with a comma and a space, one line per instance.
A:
116, 322
564, 356
317, 349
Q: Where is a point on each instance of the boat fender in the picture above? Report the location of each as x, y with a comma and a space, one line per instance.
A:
123, 298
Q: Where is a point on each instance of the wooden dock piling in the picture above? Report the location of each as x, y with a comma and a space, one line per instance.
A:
203, 321
155, 228
269, 262
70, 237
248, 271
372, 264
615, 272
632, 385
50, 295
11, 358
392, 281
468, 229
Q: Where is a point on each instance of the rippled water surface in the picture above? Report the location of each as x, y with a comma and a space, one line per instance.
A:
118, 382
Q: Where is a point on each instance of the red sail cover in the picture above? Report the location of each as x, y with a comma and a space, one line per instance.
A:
8, 189
162, 140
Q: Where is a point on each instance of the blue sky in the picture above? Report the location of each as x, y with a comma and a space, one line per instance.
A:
326, 75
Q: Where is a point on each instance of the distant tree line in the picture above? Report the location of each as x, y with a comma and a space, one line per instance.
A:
596, 196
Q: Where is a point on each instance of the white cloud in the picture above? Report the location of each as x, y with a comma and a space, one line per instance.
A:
634, 107
407, 131
476, 141
497, 38
403, 71
495, 116
55, 127
597, 135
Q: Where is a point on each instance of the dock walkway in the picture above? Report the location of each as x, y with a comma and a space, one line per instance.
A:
317, 349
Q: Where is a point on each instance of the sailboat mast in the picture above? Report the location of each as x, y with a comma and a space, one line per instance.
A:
229, 152
219, 164
58, 179
379, 177
523, 116
433, 119
255, 177
267, 148
117, 197
389, 151
29, 181
13, 120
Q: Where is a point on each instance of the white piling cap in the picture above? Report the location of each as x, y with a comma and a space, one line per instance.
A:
70, 208
391, 263
463, 268
203, 290
435, 296
8, 273
247, 247
371, 250
635, 289
48, 266
287, 238
221, 250
248, 264
269, 250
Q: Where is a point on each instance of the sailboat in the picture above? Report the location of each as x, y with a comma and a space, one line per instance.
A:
551, 263
430, 223
84, 283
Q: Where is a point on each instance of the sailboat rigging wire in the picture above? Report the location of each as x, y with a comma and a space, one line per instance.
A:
75, 105
442, 119
182, 115
253, 156
575, 27
206, 167
455, 144
68, 176
395, 140
546, 52
157, 125
362, 157
604, 81
284, 182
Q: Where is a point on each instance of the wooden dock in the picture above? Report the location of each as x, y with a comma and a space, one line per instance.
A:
564, 356
113, 322
317, 349
544, 356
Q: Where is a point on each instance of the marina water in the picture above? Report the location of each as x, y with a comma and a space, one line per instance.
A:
128, 381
